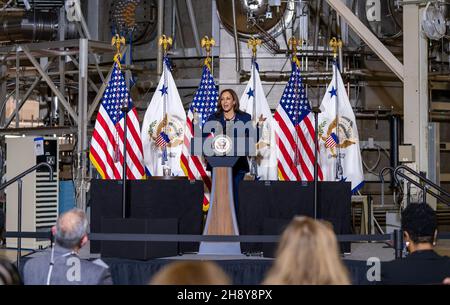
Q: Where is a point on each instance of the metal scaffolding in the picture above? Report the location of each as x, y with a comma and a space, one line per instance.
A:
26, 58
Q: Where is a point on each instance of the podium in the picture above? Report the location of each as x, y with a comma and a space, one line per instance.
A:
221, 219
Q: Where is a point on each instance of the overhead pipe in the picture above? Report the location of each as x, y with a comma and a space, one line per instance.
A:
308, 74
32, 26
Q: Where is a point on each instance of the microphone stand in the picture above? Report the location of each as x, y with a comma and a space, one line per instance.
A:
316, 111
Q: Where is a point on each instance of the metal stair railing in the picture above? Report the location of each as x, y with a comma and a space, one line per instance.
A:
425, 184
18, 179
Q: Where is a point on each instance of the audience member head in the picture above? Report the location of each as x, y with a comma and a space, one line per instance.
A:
8, 273
308, 254
71, 230
419, 225
191, 273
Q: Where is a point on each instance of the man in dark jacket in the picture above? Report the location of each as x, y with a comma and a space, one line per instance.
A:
423, 265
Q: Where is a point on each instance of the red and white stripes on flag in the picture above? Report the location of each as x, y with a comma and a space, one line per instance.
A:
331, 141
295, 132
203, 105
106, 151
194, 166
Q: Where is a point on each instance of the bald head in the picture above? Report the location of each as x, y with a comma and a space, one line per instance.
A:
71, 229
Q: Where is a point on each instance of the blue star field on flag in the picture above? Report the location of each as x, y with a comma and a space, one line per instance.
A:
116, 93
294, 100
204, 103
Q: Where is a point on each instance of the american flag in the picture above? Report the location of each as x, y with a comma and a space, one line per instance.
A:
295, 132
162, 139
203, 105
106, 152
332, 141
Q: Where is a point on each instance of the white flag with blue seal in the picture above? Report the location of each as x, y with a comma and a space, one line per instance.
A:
254, 102
163, 128
340, 156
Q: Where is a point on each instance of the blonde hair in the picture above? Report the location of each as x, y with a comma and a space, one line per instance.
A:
191, 273
308, 255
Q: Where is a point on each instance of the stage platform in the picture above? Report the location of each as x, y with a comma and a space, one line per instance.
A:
242, 270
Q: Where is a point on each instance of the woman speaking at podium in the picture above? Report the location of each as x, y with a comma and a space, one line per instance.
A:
228, 111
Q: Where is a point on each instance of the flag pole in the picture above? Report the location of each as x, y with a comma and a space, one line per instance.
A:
117, 41
293, 43
316, 111
165, 42
254, 43
335, 45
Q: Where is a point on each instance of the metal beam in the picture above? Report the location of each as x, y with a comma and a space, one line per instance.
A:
40, 131
91, 82
100, 91
36, 46
415, 92
192, 19
369, 38
160, 29
62, 61
50, 83
55, 46
17, 86
26, 96
3, 88
179, 31
99, 95
82, 141
94, 18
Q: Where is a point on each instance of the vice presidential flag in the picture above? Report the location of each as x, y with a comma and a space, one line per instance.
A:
340, 156
163, 128
106, 151
254, 102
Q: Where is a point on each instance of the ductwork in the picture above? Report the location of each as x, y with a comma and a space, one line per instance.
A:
21, 26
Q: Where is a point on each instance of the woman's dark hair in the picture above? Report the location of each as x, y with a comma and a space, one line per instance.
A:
235, 98
8, 273
419, 220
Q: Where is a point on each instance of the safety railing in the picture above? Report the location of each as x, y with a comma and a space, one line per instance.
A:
427, 186
18, 179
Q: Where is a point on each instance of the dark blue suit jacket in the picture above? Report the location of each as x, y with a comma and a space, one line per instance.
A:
242, 163
418, 268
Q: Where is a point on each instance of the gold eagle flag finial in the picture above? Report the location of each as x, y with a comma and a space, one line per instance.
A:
165, 42
293, 43
254, 43
118, 41
206, 44
335, 44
